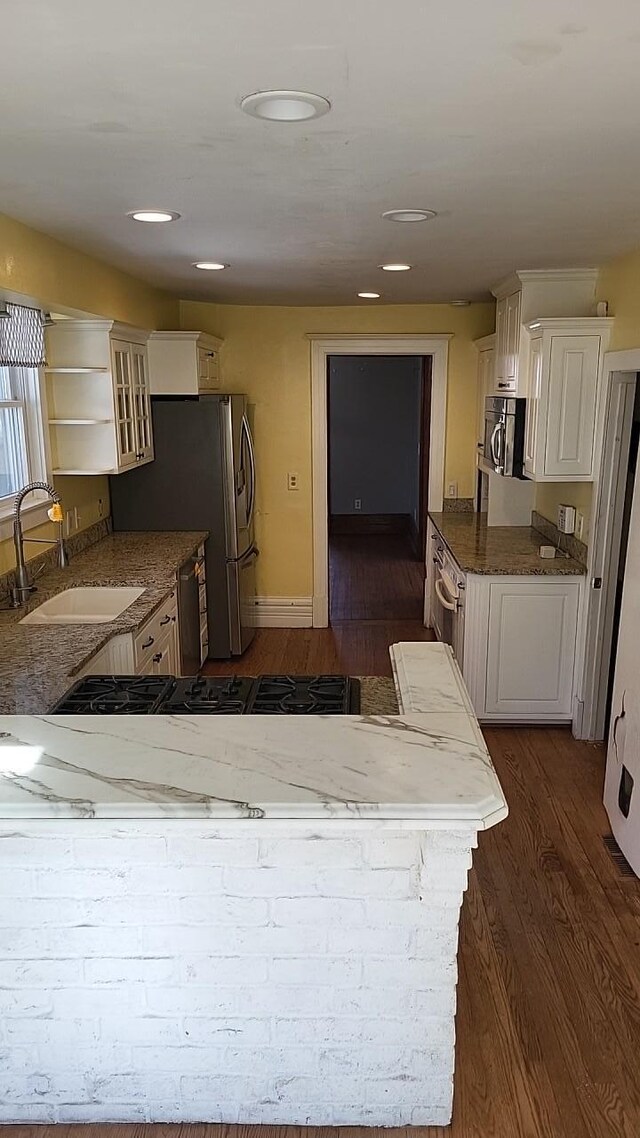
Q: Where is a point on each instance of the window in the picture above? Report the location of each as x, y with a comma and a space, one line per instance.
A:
23, 439
22, 457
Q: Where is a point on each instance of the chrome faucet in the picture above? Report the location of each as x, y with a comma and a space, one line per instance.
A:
24, 585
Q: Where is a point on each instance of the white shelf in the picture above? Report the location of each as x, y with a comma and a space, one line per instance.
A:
109, 471
77, 422
76, 370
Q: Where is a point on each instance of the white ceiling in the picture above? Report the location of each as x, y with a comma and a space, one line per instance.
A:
517, 121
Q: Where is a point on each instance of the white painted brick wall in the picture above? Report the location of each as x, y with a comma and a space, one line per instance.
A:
179, 973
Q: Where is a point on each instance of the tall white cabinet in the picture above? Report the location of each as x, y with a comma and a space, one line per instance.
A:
98, 397
564, 383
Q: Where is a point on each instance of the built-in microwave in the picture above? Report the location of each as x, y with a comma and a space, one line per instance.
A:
503, 450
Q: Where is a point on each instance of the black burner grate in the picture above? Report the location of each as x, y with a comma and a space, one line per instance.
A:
211, 695
208, 695
305, 695
115, 695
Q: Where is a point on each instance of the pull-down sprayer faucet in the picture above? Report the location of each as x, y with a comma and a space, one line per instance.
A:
24, 585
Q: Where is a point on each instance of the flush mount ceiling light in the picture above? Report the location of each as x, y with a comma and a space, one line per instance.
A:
210, 266
154, 216
285, 106
395, 268
369, 295
409, 214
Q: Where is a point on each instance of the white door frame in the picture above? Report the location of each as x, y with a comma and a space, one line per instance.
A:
594, 635
436, 346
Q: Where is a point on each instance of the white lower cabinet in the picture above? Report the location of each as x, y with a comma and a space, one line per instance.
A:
151, 651
514, 638
520, 643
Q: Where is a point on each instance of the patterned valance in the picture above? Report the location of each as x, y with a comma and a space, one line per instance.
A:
21, 337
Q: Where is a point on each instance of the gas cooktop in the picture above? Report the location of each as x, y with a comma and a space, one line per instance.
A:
211, 695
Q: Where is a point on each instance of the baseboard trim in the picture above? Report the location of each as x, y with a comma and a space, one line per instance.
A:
283, 612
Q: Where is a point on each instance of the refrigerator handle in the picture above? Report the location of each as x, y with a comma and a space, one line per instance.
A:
252, 464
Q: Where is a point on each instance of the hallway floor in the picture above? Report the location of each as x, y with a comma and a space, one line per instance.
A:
374, 577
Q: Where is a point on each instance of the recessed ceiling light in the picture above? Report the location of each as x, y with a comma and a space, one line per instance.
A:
285, 106
210, 266
154, 215
409, 214
460, 303
369, 295
395, 268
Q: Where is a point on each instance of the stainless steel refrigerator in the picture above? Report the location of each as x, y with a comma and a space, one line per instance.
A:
203, 477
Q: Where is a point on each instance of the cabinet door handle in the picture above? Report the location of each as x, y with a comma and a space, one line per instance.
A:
157, 658
504, 385
165, 620
149, 642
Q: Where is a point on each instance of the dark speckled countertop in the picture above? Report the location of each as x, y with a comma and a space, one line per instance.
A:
38, 662
500, 550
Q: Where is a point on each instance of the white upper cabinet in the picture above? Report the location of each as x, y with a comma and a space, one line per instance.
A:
98, 397
564, 370
184, 363
527, 295
505, 376
485, 348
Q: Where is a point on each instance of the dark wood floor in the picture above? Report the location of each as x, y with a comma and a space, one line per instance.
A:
376, 588
374, 577
548, 1022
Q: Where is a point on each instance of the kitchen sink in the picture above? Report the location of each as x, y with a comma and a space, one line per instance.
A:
89, 605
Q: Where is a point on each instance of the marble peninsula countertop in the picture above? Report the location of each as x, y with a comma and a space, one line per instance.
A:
429, 769
38, 662
500, 550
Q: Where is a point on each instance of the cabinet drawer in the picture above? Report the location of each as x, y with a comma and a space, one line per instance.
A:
147, 638
158, 661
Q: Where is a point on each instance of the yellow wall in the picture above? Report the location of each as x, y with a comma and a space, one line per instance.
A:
619, 284
266, 354
41, 269
550, 495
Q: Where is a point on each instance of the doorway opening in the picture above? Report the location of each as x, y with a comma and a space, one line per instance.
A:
608, 550
378, 428
395, 344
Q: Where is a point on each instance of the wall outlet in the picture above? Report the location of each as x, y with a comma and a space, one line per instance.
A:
293, 480
357, 503
579, 526
452, 490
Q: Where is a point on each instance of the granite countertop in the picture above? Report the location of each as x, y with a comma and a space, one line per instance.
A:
429, 770
38, 662
500, 550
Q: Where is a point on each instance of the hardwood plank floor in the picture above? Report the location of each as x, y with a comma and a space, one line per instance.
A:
548, 1021
356, 648
374, 577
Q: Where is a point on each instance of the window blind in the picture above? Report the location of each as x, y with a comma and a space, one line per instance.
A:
21, 337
